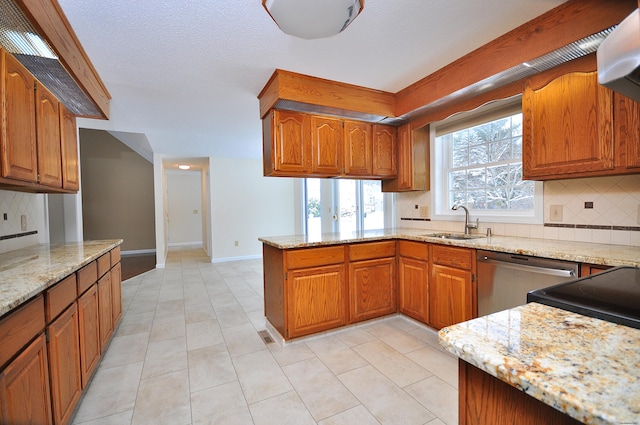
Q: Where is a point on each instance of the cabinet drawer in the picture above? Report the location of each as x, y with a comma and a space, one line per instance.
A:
115, 256
372, 250
104, 264
417, 250
311, 257
451, 256
87, 276
59, 297
19, 327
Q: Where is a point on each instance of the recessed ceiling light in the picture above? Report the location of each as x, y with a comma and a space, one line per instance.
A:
184, 166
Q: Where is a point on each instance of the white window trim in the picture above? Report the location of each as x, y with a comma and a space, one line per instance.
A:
444, 213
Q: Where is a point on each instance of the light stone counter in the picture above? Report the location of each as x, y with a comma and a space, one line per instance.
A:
584, 367
581, 252
27, 272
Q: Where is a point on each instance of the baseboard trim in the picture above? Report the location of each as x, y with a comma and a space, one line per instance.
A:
228, 259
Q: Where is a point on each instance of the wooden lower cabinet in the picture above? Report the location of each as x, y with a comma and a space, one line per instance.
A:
372, 288
89, 333
64, 364
116, 293
484, 399
452, 295
413, 284
316, 300
105, 310
24, 387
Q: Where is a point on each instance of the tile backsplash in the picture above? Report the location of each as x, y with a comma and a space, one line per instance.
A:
613, 216
15, 205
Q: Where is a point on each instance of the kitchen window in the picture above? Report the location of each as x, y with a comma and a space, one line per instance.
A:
478, 164
343, 205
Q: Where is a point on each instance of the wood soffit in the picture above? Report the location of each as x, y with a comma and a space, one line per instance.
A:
571, 21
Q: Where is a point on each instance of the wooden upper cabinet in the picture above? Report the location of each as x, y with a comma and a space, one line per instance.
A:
413, 160
69, 149
567, 127
384, 151
358, 148
48, 137
327, 145
287, 143
18, 135
627, 132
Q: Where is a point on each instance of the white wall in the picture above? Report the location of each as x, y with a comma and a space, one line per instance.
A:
247, 205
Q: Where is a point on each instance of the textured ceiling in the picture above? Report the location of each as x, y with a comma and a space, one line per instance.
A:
185, 75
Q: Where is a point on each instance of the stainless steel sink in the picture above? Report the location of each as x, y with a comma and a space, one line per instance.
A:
457, 236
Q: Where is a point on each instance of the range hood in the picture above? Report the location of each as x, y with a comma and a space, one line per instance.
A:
619, 58
18, 37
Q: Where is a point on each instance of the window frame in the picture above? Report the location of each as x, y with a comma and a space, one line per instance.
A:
439, 172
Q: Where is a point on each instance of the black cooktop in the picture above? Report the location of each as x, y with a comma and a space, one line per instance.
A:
612, 295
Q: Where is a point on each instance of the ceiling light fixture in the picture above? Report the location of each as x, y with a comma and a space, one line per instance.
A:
184, 166
310, 19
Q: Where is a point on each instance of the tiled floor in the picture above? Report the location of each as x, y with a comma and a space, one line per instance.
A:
188, 352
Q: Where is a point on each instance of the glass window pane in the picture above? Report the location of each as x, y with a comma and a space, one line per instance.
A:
313, 207
348, 205
373, 204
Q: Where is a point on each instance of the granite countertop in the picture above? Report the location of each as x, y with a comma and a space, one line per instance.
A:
581, 252
27, 272
584, 367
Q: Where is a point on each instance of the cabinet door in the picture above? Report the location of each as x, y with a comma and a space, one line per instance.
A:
413, 285
116, 293
89, 329
24, 387
48, 137
18, 135
358, 148
372, 288
316, 300
384, 151
291, 142
567, 128
450, 296
69, 147
64, 365
327, 148
105, 310
627, 116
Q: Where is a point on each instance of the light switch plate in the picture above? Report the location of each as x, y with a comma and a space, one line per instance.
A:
424, 212
23, 222
638, 217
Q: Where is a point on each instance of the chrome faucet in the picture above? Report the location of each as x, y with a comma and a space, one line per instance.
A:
467, 226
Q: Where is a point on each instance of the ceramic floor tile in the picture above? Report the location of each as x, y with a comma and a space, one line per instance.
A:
438, 397
168, 328
320, 390
116, 392
170, 308
285, 409
385, 400
221, 405
125, 349
260, 376
392, 336
123, 418
209, 367
231, 316
441, 364
427, 335
291, 353
163, 400
355, 336
335, 354
395, 366
203, 333
135, 323
166, 356
242, 340
199, 312
357, 415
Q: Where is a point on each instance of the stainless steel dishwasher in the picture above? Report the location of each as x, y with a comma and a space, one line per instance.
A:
504, 279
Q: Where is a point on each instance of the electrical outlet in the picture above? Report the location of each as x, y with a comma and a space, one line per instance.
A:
23, 222
424, 212
638, 217
5, 216
235, 243
588, 205
555, 213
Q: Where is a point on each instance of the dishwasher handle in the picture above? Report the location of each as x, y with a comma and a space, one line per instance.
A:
530, 269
